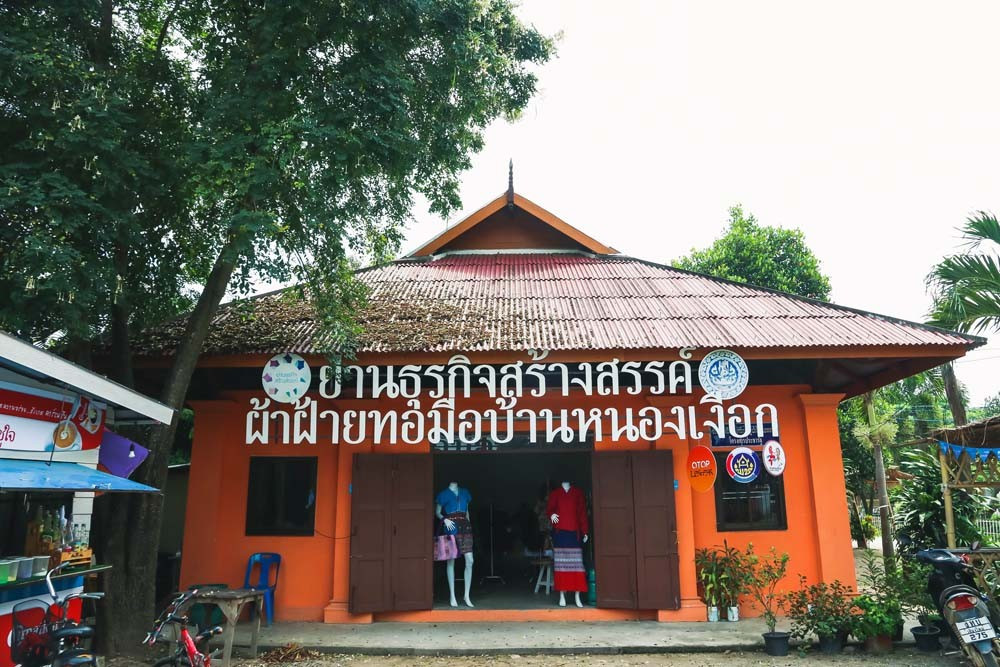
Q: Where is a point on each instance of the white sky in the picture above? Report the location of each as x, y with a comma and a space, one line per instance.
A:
872, 126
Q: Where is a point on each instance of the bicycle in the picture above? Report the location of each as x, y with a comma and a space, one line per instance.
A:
47, 634
186, 652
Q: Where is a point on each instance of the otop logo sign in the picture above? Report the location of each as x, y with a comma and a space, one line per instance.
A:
742, 465
701, 468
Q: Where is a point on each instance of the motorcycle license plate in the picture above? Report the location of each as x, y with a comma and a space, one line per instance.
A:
975, 630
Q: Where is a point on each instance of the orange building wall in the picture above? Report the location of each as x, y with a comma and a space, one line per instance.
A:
215, 546
315, 577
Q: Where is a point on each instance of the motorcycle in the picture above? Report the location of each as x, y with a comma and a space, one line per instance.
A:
45, 634
962, 605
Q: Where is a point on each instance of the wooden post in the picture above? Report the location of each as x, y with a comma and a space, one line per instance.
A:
949, 515
888, 546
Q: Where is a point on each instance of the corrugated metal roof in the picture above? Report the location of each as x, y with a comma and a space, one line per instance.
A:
515, 302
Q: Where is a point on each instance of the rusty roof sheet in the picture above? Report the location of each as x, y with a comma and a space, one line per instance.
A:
554, 301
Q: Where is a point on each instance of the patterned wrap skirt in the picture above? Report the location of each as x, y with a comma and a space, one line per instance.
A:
462, 532
568, 561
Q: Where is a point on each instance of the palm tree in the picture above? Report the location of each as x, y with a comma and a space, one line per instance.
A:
966, 291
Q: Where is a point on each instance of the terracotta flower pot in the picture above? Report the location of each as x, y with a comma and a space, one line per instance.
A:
879, 644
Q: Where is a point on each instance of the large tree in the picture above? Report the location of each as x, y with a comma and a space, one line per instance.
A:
261, 140
771, 257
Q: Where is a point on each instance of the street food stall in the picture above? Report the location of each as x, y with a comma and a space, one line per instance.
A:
57, 451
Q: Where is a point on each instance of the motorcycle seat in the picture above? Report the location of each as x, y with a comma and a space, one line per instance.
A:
938, 556
73, 632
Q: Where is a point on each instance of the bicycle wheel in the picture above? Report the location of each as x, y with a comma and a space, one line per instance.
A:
173, 661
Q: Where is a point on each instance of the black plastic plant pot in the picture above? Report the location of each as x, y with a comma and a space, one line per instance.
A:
831, 644
776, 643
927, 638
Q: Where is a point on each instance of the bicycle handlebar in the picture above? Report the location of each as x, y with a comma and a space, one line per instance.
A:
48, 579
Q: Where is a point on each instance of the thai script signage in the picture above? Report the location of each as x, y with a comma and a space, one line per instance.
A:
429, 412
44, 421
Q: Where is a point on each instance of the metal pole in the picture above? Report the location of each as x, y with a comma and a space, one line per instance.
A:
949, 515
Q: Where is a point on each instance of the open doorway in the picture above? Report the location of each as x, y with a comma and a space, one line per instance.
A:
509, 523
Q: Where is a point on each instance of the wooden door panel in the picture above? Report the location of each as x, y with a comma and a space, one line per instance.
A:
657, 576
370, 538
412, 532
614, 532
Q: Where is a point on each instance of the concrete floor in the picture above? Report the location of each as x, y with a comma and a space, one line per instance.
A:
507, 638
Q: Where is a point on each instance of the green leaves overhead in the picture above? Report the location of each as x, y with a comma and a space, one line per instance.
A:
966, 286
771, 257
291, 135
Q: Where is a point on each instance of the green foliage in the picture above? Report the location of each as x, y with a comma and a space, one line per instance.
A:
918, 505
286, 139
821, 609
92, 170
880, 610
764, 573
875, 617
966, 286
771, 257
909, 580
710, 575
990, 408
723, 574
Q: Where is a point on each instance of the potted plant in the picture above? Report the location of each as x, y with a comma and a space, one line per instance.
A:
764, 573
880, 579
710, 575
875, 622
734, 569
821, 609
911, 582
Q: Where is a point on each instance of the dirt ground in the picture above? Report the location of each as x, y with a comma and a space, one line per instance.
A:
900, 657
729, 659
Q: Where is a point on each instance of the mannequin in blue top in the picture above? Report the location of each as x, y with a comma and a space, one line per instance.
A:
452, 508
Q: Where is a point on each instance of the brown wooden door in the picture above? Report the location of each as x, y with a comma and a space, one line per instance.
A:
614, 534
370, 534
391, 533
657, 577
412, 532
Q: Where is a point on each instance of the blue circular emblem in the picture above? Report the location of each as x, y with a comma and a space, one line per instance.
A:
723, 374
743, 465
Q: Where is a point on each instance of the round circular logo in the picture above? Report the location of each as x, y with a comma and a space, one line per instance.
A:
286, 378
742, 465
723, 374
774, 457
701, 468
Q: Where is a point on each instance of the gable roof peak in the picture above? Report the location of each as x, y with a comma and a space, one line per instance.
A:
512, 222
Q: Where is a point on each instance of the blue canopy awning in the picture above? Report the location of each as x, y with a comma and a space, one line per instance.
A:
23, 475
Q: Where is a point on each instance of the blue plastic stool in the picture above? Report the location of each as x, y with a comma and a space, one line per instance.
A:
264, 561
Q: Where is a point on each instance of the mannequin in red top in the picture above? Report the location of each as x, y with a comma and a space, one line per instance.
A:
567, 510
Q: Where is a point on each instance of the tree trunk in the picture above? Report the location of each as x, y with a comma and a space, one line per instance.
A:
888, 547
130, 528
953, 391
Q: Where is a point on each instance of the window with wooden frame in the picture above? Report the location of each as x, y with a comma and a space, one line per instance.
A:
281, 495
759, 505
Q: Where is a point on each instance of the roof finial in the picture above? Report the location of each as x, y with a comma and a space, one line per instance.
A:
510, 184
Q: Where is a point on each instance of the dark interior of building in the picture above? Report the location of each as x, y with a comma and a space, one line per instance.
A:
509, 523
